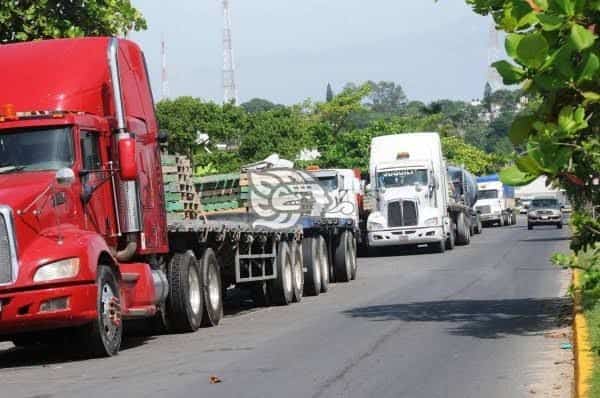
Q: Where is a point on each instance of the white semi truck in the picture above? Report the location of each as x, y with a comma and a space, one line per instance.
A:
495, 201
410, 185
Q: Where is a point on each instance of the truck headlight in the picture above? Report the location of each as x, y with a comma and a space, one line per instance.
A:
374, 226
432, 222
62, 269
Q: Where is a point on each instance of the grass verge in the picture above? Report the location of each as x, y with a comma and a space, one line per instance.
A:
592, 318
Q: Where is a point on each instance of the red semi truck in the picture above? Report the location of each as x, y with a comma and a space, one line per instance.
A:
84, 238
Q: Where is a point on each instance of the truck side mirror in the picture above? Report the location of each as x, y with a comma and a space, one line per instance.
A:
127, 163
65, 177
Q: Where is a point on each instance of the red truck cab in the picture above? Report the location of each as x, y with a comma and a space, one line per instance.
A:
82, 215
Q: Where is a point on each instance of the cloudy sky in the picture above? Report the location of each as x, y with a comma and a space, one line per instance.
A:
288, 50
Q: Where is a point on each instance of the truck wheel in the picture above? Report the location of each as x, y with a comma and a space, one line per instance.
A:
260, 294
211, 288
439, 247
451, 241
298, 271
312, 262
463, 234
514, 219
102, 337
502, 220
559, 225
184, 306
324, 261
478, 226
342, 259
282, 291
354, 251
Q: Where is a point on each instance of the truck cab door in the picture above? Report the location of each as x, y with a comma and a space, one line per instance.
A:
96, 187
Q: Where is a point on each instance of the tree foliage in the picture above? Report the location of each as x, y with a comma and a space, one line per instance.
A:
46, 19
555, 54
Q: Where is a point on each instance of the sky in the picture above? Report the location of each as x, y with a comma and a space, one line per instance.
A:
288, 50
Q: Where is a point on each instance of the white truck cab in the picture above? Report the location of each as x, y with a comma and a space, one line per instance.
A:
344, 189
495, 201
410, 185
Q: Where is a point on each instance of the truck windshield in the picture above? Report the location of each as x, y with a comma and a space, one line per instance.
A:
402, 178
36, 149
487, 194
544, 203
328, 183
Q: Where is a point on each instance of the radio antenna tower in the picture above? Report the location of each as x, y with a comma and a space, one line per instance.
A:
229, 88
493, 78
163, 75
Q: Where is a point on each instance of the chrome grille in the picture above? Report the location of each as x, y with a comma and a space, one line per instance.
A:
8, 247
402, 213
484, 209
6, 266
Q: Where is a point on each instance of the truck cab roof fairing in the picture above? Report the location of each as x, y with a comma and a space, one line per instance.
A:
73, 75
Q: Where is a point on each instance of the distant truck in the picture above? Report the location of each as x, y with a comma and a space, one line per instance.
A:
496, 201
336, 229
410, 183
464, 192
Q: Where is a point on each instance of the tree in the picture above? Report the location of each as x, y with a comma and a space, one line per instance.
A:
256, 105
487, 91
281, 130
45, 19
329, 94
555, 54
386, 97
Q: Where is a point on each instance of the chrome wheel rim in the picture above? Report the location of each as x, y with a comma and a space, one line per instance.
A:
214, 291
287, 274
194, 287
298, 268
110, 316
324, 262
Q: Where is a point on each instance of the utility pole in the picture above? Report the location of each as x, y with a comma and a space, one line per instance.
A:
163, 75
230, 93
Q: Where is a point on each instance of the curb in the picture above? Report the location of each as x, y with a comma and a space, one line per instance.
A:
581, 344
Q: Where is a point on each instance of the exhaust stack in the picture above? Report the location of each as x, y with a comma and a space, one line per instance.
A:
128, 198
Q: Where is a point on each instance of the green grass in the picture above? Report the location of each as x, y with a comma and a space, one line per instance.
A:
592, 317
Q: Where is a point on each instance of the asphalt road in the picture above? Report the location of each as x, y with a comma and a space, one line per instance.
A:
469, 323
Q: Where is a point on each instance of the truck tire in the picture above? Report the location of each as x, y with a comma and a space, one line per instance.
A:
312, 263
451, 241
463, 233
342, 258
282, 291
298, 271
102, 337
324, 261
354, 251
438, 247
260, 294
513, 219
478, 225
211, 289
184, 305
559, 225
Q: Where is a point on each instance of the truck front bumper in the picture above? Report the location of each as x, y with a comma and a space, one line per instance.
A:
490, 217
549, 220
405, 236
50, 308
